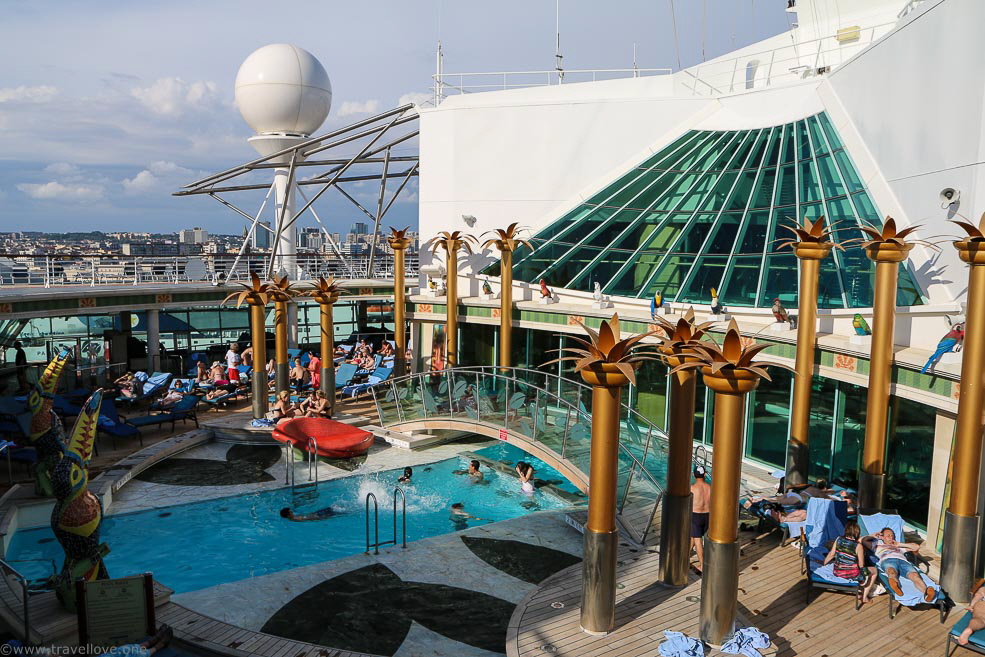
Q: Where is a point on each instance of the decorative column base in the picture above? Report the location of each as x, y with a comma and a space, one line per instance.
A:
675, 539
871, 490
260, 394
719, 583
327, 387
958, 555
598, 595
798, 458
283, 377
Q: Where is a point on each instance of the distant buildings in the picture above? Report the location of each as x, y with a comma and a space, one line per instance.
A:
194, 236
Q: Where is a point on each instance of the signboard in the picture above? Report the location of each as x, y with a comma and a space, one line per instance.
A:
113, 612
502, 434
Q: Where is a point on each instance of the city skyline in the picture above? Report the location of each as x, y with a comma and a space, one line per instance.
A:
114, 107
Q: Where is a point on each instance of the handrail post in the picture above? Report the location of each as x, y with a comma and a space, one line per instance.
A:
564, 439
629, 482
376, 523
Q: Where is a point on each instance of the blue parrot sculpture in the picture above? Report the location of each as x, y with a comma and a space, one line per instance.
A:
950, 342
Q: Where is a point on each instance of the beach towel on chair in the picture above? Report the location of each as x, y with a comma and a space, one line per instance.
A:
911, 596
678, 644
747, 641
825, 525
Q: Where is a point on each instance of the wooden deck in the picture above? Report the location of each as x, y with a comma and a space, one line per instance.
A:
771, 598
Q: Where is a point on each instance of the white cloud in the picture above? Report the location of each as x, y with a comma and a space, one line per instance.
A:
173, 97
156, 175
39, 94
62, 169
416, 97
350, 107
57, 191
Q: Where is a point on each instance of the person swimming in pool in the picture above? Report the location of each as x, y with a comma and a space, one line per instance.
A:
406, 476
460, 517
320, 514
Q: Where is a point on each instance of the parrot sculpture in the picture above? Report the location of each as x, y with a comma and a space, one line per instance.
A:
46, 433
486, 288
950, 342
861, 326
779, 312
545, 292
656, 303
431, 284
716, 306
77, 514
597, 294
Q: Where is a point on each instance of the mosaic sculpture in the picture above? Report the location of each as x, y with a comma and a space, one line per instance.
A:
78, 512
46, 433
860, 325
545, 292
950, 342
716, 306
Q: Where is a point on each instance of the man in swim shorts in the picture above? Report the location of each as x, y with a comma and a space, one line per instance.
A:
700, 505
320, 514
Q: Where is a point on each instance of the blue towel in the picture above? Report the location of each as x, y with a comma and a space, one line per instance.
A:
826, 573
911, 595
822, 521
678, 644
747, 641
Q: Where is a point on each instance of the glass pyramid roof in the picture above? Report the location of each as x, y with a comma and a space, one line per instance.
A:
706, 212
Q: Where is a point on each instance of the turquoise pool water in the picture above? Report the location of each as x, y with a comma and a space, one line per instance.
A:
202, 544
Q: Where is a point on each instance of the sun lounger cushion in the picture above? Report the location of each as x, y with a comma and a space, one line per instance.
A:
978, 638
911, 595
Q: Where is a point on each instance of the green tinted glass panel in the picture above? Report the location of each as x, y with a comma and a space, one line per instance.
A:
708, 210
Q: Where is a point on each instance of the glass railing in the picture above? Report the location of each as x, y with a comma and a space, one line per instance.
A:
541, 409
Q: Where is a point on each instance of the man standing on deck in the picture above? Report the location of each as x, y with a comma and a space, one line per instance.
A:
700, 505
20, 362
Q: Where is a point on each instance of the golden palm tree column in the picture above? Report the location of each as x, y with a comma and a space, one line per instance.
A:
810, 255
282, 376
731, 373
872, 475
258, 331
675, 525
506, 308
961, 521
399, 244
451, 328
326, 293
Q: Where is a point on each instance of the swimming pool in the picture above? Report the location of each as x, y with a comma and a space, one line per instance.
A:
202, 544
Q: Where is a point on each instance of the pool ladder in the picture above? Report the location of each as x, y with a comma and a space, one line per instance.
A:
376, 521
307, 491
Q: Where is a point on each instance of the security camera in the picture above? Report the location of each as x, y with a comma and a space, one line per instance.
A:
949, 196
468, 219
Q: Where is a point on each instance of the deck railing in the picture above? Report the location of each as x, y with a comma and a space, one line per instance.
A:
540, 409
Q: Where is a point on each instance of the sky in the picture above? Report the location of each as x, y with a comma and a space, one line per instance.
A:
108, 106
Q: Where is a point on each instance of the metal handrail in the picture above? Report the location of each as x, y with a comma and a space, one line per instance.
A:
563, 404
508, 79
313, 460
376, 521
20, 577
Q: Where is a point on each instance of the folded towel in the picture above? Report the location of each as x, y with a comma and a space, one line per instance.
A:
747, 641
678, 644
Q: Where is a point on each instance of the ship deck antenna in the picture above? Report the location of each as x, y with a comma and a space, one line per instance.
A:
636, 69
558, 57
677, 45
704, 27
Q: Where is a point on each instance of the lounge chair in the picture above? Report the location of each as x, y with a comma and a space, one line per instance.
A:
379, 376
222, 400
976, 642
193, 363
344, 375
112, 423
825, 522
155, 384
183, 409
871, 523
181, 385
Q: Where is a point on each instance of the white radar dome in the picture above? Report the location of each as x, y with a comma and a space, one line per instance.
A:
283, 89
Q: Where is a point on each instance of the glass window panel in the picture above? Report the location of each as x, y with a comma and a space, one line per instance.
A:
829, 131
773, 155
565, 222
739, 161
848, 172
819, 145
769, 413
662, 182
907, 292
651, 393
780, 281
823, 393
671, 275
866, 210
689, 201
841, 210
635, 237
743, 189
754, 234
700, 394
857, 272
849, 435
726, 153
614, 226
632, 189
679, 189
707, 274
909, 457
667, 232
764, 189
756, 157
563, 272
726, 230
830, 182
669, 155
789, 144
810, 211
631, 281
810, 189
742, 283
715, 201
786, 188
829, 285
695, 234
802, 140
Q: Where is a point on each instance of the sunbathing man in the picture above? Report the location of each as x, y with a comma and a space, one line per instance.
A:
977, 608
892, 560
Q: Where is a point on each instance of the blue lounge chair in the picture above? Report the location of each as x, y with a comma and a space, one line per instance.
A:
222, 400
379, 376
154, 385
193, 363
183, 409
112, 423
871, 523
976, 642
825, 522
344, 375
181, 385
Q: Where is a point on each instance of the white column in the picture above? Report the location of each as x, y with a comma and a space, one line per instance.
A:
154, 340
287, 249
292, 325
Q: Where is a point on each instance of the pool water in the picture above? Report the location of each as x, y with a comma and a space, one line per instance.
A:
202, 544
510, 454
